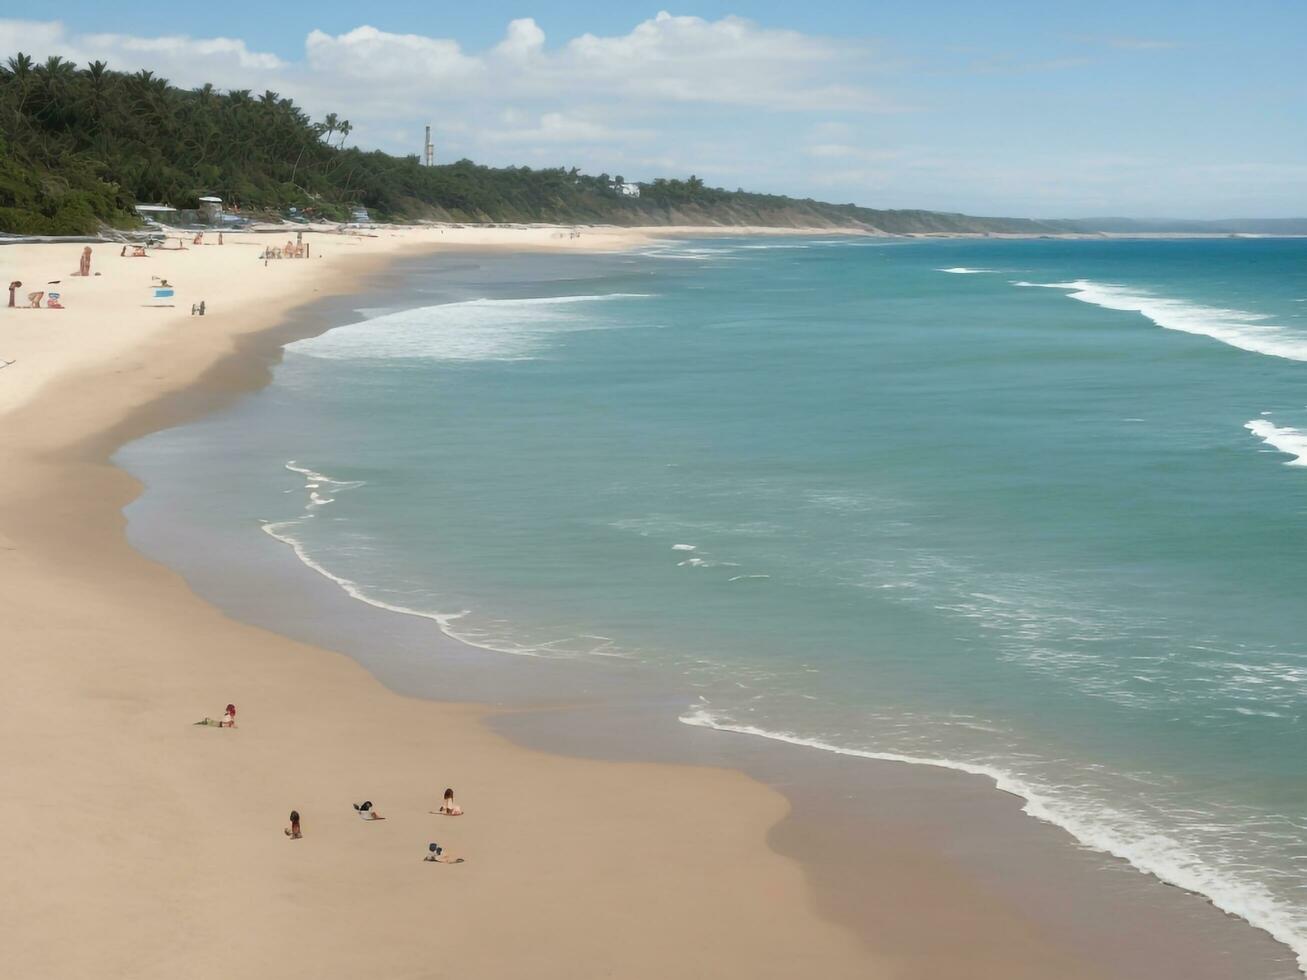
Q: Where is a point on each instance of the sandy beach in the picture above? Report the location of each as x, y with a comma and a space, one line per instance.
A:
142, 845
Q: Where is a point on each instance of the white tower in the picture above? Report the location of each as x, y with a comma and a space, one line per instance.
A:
429, 150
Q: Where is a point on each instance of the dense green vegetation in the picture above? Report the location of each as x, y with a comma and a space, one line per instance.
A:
80, 146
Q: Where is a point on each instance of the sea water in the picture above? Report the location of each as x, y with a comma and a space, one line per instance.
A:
1033, 509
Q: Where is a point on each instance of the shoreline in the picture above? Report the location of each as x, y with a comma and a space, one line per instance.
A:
78, 478
156, 842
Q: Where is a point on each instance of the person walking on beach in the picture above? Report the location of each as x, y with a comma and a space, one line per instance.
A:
84, 266
293, 831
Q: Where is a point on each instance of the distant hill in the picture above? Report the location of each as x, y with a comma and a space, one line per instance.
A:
79, 147
1230, 226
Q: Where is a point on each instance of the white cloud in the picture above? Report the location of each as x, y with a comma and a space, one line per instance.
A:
179, 48
731, 61
367, 54
185, 60
523, 40
555, 127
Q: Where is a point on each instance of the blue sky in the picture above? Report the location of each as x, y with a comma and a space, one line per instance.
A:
1039, 109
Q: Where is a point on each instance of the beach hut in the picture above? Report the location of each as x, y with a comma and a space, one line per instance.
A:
211, 210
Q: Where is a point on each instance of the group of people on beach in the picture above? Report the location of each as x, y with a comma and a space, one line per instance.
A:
365, 810
298, 249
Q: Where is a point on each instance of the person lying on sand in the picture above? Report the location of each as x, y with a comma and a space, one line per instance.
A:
437, 854
228, 720
293, 831
449, 808
365, 811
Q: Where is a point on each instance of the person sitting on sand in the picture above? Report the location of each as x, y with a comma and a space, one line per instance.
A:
365, 811
293, 831
449, 808
437, 853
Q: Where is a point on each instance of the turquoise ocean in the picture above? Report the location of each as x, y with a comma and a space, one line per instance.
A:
1032, 509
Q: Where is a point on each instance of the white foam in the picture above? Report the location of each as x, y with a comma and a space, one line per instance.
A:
277, 529
962, 270
316, 479
741, 578
1290, 441
1103, 829
445, 621
479, 329
684, 251
683, 547
1238, 328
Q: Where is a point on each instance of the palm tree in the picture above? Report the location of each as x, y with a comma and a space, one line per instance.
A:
20, 69
328, 126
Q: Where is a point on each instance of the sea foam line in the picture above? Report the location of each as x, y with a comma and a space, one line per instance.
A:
1290, 441
1237, 328
1112, 832
315, 477
275, 529
278, 531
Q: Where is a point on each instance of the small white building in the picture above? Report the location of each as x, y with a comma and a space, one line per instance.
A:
629, 190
